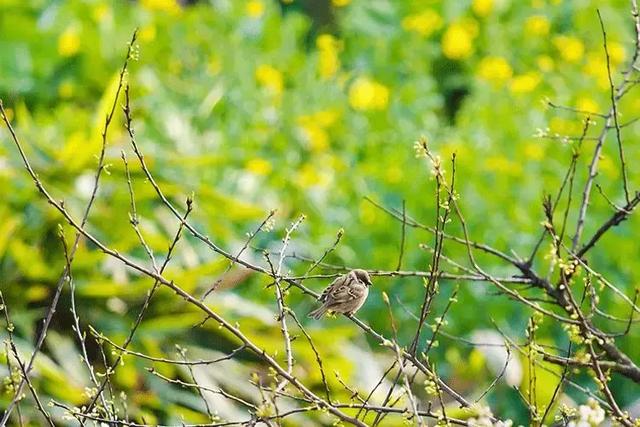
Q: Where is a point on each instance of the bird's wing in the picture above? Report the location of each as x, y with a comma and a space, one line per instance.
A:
351, 289
336, 284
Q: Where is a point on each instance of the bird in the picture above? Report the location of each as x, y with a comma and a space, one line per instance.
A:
346, 294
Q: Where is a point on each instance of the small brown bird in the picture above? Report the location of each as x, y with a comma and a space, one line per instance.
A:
345, 294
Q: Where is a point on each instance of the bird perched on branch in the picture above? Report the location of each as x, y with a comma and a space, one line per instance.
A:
345, 294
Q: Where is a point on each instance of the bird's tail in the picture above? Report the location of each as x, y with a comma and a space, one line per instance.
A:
318, 312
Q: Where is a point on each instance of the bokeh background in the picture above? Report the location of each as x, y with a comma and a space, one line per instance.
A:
305, 107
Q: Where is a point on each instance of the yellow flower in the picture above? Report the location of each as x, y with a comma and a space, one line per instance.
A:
596, 67
571, 49
148, 33
328, 64
525, 82
537, 25
309, 176
457, 42
495, 70
316, 136
366, 94
545, 63
482, 7
328, 60
423, 23
564, 127
471, 26
169, 6
270, 78
340, 3
327, 42
609, 167
259, 166
534, 151
66, 89
326, 118
502, 165
254, 8
616, 52
314, 128
587, 104
100, 12
69, 42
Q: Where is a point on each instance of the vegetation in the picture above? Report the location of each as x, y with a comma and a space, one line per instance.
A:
197, 186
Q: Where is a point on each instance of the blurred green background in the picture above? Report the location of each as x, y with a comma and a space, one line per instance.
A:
305, 107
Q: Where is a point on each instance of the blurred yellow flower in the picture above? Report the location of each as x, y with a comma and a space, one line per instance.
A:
66, 89
457, 42
340, 3
545, 63
328, 61
502, 165
471, 26
423, 23
36, 293
100, 12
525, 83
564, 127
326, 118
328, 64
270, 78
69, 42
169, 6
495, 70
316, 136
616, 52
328, 42
596, 67
314, 128
148, 33
309, 176
609, 167
534, 151
482, 7
571, 48
259, 166
366, 94
254, 8
537, 25
587, 104
476, 362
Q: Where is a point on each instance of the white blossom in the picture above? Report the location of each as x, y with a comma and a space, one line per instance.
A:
589, 415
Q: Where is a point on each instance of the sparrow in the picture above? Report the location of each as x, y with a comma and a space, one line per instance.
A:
345, 294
